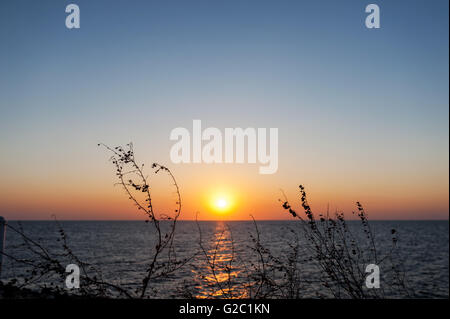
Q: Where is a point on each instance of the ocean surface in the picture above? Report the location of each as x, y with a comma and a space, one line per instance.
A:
122, 250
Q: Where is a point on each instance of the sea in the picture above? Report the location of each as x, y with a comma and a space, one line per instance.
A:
122, 250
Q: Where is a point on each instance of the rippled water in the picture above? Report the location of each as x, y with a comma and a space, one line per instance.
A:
121, 249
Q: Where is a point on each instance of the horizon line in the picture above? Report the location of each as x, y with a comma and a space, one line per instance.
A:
204, 220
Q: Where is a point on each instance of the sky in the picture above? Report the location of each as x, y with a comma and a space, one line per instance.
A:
362, 114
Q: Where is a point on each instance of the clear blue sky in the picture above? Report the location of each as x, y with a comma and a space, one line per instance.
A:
351, 97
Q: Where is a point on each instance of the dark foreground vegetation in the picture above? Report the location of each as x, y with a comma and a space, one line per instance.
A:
340, 252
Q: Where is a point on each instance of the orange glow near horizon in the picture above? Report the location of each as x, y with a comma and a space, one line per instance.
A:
213, 202
220, 192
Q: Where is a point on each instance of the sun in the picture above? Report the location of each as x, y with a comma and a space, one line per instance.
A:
221, 203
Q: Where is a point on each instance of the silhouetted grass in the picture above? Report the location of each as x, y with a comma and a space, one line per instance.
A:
327, 242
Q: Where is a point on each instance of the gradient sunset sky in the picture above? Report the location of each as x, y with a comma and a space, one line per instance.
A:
362, 114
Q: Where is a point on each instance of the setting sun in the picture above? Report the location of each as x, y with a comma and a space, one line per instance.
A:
221, 203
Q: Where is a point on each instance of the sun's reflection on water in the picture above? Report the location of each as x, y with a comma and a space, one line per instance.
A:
218, 275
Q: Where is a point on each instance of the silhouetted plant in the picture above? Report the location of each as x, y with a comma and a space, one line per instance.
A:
338, 250
47, 267
254, 273
134, 182
343, 253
